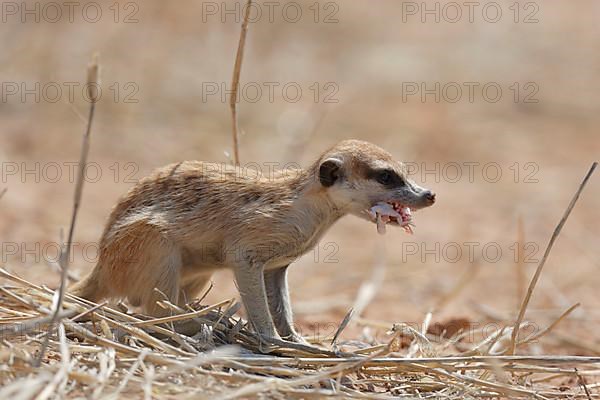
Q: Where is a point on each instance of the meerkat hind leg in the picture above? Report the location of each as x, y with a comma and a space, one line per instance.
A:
191, 287
161, 272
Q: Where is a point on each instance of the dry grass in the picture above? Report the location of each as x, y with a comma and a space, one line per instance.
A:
103, 352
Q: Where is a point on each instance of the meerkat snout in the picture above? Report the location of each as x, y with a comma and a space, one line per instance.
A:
429, 197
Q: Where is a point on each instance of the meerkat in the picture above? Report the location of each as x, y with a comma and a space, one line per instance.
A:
175, 228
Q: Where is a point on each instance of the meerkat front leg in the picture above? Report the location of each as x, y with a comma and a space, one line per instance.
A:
280, 305
251, 285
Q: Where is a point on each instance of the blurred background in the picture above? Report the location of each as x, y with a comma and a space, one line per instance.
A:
493, 105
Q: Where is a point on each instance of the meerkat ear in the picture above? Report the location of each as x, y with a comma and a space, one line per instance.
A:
329, 171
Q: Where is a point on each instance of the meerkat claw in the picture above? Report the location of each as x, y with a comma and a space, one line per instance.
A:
297, 339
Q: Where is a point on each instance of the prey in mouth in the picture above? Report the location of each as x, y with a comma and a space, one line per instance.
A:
393, 213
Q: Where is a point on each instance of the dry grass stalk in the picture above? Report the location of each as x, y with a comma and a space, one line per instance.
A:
583, 384
184, 316
540, 267
235, 83
521, 276
93, 81
342, 326
553, 325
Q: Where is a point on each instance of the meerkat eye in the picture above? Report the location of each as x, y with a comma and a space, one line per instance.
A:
384, 177
389, 178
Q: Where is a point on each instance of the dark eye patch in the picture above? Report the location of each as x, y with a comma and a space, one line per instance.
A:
387, 177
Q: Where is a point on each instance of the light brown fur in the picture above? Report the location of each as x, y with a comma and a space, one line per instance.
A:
176, 227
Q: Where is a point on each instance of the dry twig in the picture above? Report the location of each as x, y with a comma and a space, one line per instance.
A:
235, 83
93, 95
538, 271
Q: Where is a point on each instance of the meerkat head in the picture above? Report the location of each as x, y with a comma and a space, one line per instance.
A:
364, 180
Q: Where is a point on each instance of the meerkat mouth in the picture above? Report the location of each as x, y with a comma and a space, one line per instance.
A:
391, 212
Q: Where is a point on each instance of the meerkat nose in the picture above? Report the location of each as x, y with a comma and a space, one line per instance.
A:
429, 197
